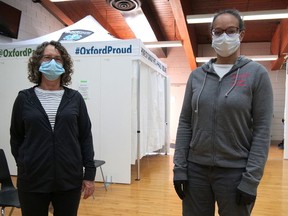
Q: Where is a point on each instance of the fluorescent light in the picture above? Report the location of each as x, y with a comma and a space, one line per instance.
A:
251, 15
254, 58
264, 58
264, 15
204, 59
201, 18
158, 44
139, 24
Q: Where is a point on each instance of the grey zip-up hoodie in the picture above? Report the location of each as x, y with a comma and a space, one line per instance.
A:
226, 122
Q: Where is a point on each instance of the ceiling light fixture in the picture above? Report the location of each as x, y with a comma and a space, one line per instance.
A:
250, 15
254, 58
125, 5
135, 18
139, 24
158, 44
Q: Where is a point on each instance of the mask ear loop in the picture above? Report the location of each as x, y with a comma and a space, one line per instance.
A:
242, 34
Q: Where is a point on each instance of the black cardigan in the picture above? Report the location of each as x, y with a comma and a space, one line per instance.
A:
50, 160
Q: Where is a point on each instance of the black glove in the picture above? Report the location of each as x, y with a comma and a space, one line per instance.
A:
179, 186
243, 198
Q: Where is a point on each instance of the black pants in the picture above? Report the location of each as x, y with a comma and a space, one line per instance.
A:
65, 203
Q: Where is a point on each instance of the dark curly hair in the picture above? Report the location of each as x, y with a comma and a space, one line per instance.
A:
34, 63
233, 12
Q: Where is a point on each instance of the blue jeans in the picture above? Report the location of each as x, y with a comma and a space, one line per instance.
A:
209, 185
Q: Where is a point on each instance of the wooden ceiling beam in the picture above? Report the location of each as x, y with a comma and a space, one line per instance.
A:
94, 11
147, 11
181, 23
279, 44
53, 9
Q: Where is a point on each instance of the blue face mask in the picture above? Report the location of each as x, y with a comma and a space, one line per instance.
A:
52, 70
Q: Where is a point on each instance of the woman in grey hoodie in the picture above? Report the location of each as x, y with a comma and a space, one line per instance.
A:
223, 135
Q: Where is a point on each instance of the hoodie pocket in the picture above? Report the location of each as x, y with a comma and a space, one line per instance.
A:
228, 147
201, 143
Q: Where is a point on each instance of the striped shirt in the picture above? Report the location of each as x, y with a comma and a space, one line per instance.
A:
50, 101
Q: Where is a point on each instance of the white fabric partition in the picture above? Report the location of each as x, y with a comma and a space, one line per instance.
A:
152, 111
155, 112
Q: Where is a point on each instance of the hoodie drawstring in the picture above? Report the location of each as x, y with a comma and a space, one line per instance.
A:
203, 84
226, 95
234, 84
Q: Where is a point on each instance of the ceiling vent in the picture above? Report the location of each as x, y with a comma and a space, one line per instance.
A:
124, 5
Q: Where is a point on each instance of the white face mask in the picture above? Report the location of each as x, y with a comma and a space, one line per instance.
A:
225, 45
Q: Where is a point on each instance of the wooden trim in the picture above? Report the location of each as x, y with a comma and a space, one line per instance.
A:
279, 44
53, 9
183, 30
